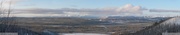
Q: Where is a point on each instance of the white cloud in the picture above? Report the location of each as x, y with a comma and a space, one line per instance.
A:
125, 10
129, 8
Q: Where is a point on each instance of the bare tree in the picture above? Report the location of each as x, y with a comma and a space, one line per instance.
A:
5, 14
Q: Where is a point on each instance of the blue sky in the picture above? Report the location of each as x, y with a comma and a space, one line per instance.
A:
161, 4
97, 7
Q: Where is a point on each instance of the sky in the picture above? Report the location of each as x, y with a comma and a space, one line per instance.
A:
35, 8
164, 4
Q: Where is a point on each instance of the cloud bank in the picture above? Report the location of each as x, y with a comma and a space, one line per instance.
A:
162, 10
126, 9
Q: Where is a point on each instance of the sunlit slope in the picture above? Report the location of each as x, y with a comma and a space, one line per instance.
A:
170, 25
